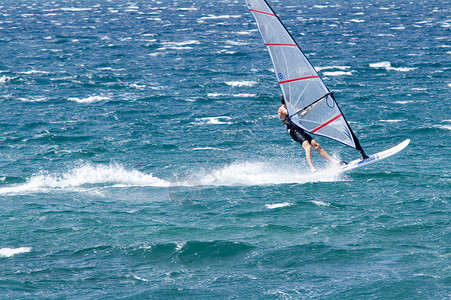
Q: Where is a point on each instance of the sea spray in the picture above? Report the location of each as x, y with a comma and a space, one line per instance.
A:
85, 176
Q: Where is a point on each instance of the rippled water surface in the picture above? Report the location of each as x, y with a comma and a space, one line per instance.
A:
141, 154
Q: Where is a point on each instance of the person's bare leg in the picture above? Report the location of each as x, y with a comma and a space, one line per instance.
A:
321, 151
308, 154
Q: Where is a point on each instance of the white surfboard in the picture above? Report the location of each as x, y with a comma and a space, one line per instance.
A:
375, 157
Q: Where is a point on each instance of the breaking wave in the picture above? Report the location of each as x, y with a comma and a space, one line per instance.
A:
9, 252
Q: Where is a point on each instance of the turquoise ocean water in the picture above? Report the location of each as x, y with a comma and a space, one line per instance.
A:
141, 155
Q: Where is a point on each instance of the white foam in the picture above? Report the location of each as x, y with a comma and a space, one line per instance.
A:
215, 95
8, 252
278, 205
38, 99
391, 121
35, 71
213, 120
75, 9
213, 17
446, 127
262, 173
90, 99
332, 67
387, 65
320, 203
5, 79
207, 148
241, 83
404, 102
140, 278
85, 176
180, 45
187, 8
237, 43
337, 73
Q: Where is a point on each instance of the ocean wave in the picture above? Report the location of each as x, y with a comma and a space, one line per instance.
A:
217, 95
198, 251
320, 203
278, 205
8, 252
241, 83
5, 79
90, 99
213, 120
85, 176
387, 66
445, 127
185, 252
337, 73
332, 67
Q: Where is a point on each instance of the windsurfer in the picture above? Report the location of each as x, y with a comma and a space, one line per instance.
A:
299, 135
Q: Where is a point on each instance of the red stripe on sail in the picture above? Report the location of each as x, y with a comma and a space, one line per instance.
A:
278, 44
327, 123
262, 12
296, 79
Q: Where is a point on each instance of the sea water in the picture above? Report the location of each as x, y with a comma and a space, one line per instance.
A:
141, 155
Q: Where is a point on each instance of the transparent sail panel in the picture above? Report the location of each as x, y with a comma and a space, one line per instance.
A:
309, 102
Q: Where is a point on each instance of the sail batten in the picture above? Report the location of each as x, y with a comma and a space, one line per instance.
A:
301, 85
280, 44
296, 79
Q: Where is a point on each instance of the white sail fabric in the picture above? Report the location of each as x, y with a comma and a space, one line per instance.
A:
309, 102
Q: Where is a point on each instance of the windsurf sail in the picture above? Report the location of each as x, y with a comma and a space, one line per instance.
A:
309, 102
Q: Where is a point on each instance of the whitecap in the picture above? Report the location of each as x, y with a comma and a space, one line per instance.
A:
446, 127
187, 8
237, 43
90, 99
213, 17
391, 121
357, 21
5, 79
8, 252
140, 278
278, 205
337, 73
242, 95
332, 67
213, 120
398, 28
179, 44
241, 83
207, 148
75, 9
320, 203
35, 71
37, 99
387, 66
404, 102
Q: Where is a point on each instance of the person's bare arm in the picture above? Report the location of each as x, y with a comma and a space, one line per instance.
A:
283, 113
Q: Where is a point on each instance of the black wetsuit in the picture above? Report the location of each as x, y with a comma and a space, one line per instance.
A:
296, 132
